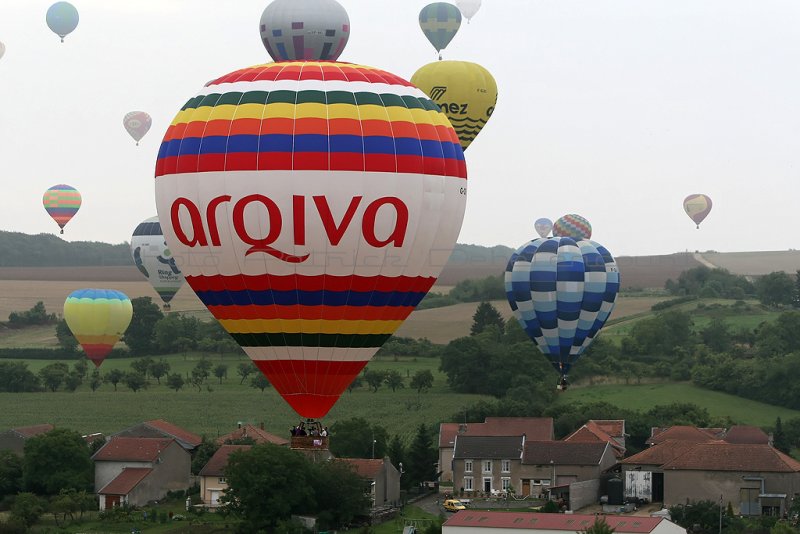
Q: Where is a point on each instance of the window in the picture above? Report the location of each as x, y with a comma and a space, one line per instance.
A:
541, 482
487, 466
467, 483
468, 466
222, 480
506, 466
505, 483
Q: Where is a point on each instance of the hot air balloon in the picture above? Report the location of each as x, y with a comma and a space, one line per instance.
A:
465, 91
311, 206
62, 19
62, 202
543, 226
137, 123
468, 8
97, 319
697, 207
440, 22
2, 50
305, 29
572, 225
154, 259
562, 291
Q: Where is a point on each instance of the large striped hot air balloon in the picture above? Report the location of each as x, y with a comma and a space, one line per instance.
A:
154, 259
62, 202
311, 206
97, 319
562, 291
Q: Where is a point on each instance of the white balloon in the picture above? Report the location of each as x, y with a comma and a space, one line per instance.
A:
468, 7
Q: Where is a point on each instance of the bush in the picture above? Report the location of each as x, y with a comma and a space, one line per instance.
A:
664, 304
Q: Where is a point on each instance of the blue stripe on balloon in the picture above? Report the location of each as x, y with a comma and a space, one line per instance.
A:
310, 298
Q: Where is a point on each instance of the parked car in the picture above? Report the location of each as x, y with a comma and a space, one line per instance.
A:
454, 505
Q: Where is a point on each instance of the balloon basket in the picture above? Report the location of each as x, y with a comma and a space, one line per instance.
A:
62, 231
563, 384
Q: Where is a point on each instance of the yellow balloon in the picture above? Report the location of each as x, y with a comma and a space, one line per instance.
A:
97, 319
466, 92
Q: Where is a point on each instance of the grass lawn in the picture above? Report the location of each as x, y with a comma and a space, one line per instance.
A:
643, 397
411, 515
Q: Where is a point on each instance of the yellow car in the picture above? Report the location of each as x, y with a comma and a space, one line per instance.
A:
454, 505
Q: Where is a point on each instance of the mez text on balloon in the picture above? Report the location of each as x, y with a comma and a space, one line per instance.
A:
333, 230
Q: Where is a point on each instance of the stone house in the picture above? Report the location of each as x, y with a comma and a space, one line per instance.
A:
14, 439
382, 477
135, 471
487, 464
212, 477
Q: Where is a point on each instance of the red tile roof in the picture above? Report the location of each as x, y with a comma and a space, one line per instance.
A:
613, 427
746, 434
258, 435
35, 430
366, 468
567, 522
659, 454
132, 449
679, 433
447, 434
215, 467
175, 431
126, 481
722, 456
591, 432
534, 428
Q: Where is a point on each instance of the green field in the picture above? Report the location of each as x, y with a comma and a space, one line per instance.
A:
645, 396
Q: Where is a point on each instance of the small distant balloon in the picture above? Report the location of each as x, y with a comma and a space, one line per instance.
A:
440, 22
543, 226
468, 8
137, 123
305, 29
62, 202
2, 49
574, 226
62, 19
697, 207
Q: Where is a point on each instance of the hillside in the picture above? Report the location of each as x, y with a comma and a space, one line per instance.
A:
755, 263
46, 250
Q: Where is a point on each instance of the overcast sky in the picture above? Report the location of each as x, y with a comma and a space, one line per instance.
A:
613, 109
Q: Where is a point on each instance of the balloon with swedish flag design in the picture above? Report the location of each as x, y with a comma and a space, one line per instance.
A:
97, 319
311, 206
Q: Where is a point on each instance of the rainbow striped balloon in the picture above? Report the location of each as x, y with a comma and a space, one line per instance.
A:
574, 226
311, 206
97, 319
62, 202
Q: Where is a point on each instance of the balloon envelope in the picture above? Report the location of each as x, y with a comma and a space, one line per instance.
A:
543, 226
311, 206
466, 92
97, 319
62, 202
697, 207
137, 123
154, 259
440, 22
2, 50
562, 292
305, 29
572, 225
468, 8
62, 19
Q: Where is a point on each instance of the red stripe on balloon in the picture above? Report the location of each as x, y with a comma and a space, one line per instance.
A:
321, 282
311, 387
96, 352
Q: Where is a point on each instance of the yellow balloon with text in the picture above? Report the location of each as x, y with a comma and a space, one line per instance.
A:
466, 93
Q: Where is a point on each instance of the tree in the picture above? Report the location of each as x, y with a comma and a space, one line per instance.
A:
203, 454
353, 438
422, 380
486, 315
796, 293
339, 493
599, 527
775, 288
53, 375
114, 376
95, 380
221, 371
140, 335
27, 508
159, 368
81, 367
15, 377
72, 381
259, 381
57, 460
135, 381
267, 484
35, 316
69, 502
244, 369
175, 381
10, 473
355, 384
375, 379
65, 338
779, 438
397, 454
422, 457
142, 366
394, 380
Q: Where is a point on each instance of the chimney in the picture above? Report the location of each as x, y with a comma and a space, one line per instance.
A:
261, 426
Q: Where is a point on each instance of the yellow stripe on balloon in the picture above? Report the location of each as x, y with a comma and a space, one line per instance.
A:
308, 326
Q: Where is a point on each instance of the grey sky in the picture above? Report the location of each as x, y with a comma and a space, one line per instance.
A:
613, 109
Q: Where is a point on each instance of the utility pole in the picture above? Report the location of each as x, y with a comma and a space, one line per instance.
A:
720, 514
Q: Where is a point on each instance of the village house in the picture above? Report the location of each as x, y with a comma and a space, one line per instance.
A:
487, 464
602, 430
135, 471
158, 428
534, 428
213, 482
14, 439
381, 477
481, 522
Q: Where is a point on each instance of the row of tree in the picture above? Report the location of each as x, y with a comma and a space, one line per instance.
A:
774, 289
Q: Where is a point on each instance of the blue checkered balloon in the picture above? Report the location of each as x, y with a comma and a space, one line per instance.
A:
562, 291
